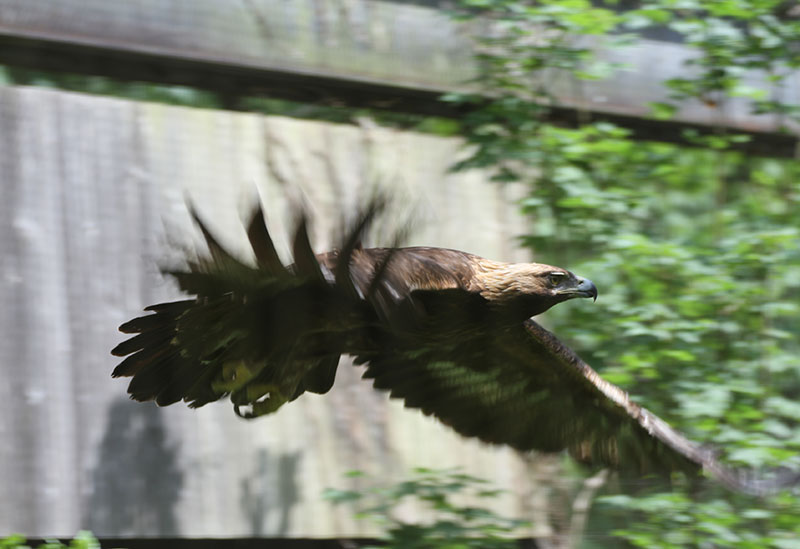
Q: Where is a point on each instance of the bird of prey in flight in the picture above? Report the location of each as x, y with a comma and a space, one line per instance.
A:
448, 332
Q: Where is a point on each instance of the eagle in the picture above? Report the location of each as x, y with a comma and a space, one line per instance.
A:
448, 332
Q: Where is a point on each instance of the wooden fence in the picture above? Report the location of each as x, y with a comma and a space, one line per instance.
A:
92, 202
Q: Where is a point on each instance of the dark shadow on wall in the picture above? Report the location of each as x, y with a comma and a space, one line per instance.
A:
137, 481
269, 493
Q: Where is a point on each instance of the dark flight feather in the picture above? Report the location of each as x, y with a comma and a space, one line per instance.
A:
261, 242
446, 331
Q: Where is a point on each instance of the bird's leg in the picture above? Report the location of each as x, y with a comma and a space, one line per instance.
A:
234, 375
264, 398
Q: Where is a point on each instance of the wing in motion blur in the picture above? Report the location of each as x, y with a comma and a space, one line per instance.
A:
446, 331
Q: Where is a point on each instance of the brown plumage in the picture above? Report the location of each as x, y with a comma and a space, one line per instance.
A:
444, 330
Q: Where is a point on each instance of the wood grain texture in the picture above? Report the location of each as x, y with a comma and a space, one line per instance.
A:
322, 51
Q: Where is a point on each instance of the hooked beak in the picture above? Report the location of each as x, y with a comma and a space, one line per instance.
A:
585, 288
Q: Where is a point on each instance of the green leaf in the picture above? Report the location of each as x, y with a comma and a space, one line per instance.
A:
662, 111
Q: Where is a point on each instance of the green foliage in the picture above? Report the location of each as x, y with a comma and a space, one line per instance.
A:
731, 37
198, 98
675, 520
83, 540
446, 498
100, 85
695, 250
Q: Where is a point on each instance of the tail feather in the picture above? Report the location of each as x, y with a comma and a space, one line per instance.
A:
173, 307
134, 363
205, 329
165, 369
262, 334
145, 340
186, 376
201, 392
142, 324
154, 375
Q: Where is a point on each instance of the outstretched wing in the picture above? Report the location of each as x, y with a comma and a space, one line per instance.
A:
263, 333
523, 387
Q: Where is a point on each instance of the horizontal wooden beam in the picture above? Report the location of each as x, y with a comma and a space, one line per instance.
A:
232, 82
244, 543
423, 57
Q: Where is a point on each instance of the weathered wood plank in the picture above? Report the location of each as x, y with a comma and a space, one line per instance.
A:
364, 53
377, 41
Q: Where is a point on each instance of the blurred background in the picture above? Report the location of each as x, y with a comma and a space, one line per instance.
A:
648, 145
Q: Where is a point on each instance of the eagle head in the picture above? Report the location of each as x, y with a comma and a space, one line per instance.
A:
528, 289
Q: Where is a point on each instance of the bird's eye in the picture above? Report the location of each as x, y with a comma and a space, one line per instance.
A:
556, 278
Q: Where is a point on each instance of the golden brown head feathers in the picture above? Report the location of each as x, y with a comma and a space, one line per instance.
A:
535, 282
